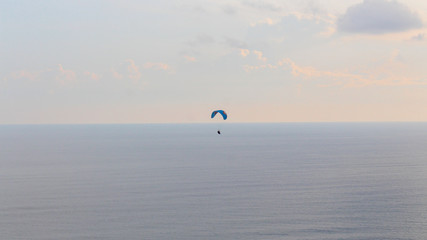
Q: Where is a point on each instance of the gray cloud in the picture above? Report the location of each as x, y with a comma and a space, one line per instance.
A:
234, 43
202, 39
419, 37
315, 8
377, 17
229, 10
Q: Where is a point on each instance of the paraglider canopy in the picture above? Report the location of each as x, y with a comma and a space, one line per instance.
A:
222, 112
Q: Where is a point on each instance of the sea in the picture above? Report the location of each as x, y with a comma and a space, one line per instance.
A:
305, 181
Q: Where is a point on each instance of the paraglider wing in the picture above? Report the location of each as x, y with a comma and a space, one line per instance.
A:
222, 112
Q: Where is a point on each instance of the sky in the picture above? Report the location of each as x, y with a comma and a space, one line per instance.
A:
175, 61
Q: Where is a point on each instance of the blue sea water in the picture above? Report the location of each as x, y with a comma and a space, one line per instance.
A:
323, 181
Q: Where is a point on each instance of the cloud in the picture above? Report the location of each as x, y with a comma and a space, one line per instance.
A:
234, 43
244, 52
127, 70
250, 68
44, 80
391, 72
295, 29
308, 71
23, 74
190, 58
229, 10
157, 66
396, 57
201, 39
266, 21
133, 70
58, 74
259, 55
329, 31
263, 6
92, 75
378, 17
419, 37
64, 74
116, 74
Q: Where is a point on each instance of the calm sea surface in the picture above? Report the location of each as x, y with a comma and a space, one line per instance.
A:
328, 181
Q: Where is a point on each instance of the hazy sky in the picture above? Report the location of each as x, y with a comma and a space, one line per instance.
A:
133, 61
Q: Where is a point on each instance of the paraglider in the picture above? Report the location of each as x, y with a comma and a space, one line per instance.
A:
222, 113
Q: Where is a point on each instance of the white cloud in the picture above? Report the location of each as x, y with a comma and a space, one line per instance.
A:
378, 17
265, 21
157, 66
64, 74
244, 52
128, 70
133, 70
263, 6
23, 74
58, 74
116, 74
92, 75
190, 58
259, 55
297, 30
391, 72
250, 68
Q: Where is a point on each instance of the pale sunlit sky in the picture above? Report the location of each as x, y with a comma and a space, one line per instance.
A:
130, 61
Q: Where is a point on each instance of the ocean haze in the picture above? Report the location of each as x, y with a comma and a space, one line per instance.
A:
184, 181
